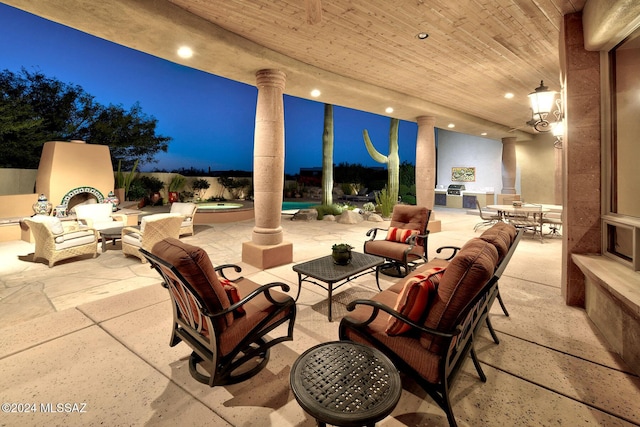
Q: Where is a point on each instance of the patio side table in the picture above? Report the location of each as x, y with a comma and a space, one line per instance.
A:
345, 384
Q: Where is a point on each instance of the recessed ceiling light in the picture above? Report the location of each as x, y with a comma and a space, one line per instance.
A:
388, 110
483, 134
422, 36
508, 95
315, 93
185, 52
451, 125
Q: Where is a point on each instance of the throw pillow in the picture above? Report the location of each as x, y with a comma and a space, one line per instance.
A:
233, 294
414, 299
401, 235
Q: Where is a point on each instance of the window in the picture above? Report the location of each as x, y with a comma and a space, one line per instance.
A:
621, 223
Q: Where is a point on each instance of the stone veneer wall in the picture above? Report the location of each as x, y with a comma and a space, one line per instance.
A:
582, 175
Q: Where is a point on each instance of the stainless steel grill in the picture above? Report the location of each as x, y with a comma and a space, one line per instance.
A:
455, 189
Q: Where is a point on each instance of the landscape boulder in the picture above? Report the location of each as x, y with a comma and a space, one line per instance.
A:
350, 217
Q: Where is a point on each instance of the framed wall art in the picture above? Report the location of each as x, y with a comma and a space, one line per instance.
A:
463, 174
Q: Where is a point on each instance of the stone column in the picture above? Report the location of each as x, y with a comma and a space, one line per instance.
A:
426, 167
267, 248
581, 228
509, 165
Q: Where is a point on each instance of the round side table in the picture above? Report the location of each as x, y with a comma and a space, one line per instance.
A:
345, 384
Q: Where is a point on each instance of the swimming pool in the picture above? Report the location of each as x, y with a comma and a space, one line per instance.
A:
215, 206
297, 205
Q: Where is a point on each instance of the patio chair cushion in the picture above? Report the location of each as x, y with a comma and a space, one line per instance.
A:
69, 237
501, 235
97, 215
414, 300
194, 264
233, 293
464, 277
134, 239
184, 209
51, 222
401, 235
414, 354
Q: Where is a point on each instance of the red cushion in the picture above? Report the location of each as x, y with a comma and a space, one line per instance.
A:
233, 293
401, 235
414, 299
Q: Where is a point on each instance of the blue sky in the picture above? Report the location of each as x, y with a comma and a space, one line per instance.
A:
210, 118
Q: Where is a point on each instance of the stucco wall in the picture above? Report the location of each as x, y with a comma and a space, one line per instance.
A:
536, 167
534, 172
460, 150
17, 181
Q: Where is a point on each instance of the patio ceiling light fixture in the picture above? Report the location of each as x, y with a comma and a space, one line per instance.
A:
541, 100
185, 52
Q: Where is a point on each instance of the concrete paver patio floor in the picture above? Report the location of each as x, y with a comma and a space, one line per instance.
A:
95, 332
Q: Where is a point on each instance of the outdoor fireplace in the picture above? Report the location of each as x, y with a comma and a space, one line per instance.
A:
72, 173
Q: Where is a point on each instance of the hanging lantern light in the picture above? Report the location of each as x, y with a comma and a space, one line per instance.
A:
541, 100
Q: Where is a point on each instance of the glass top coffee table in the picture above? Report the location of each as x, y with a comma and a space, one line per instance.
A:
324, 270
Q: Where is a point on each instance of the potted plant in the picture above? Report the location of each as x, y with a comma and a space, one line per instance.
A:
175, 186
137, 192
123, 182
341, 253
200, 185
153, 185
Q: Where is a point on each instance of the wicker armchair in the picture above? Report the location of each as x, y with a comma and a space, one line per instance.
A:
99, 216
153, 228
54, 243
188, 211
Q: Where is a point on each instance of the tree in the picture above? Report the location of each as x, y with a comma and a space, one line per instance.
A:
35, 109
327, 156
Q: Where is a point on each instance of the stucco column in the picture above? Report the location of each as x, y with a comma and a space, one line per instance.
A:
509, 165
426, 161
268, 157
426, 167
267, 248
557, 179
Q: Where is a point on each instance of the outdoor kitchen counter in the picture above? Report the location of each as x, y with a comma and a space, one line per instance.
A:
466, 199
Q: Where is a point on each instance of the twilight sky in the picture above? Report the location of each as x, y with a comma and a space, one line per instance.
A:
210, 118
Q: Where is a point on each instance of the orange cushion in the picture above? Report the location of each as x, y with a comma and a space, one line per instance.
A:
401, 235
414, 300
233, 293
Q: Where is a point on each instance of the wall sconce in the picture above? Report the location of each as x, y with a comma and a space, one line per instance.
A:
558, 133
541, 100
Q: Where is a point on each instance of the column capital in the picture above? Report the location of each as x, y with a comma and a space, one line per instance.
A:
509, 140
426, 120
270, 78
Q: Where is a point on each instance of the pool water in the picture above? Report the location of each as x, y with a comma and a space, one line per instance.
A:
297, 205
214, 206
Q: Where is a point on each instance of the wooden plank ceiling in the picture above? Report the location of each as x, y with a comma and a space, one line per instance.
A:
361, 54
477, 50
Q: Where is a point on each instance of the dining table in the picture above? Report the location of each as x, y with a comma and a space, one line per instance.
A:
527, 215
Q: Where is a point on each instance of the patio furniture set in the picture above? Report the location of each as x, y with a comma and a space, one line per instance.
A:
422, 326
62, 238
530, 217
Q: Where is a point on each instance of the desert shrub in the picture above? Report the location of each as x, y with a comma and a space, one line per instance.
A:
327, 210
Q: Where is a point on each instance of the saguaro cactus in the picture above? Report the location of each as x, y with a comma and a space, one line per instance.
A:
327, 156
392, 160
